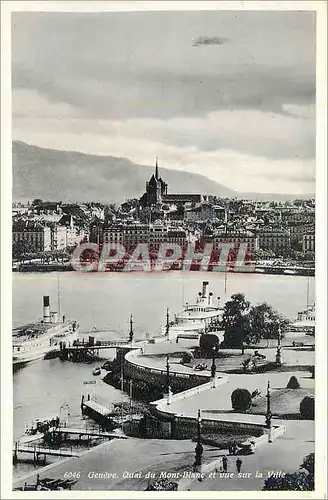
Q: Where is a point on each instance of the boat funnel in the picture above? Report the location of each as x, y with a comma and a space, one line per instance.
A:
205, 289
46, 309
210, 296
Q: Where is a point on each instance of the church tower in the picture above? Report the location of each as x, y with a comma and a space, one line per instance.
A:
155, 189
156, 170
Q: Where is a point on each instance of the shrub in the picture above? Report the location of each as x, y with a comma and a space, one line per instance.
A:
241, 399
248, 365
307, 408
293, 383
187, 357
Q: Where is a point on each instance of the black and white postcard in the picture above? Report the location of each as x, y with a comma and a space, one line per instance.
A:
163, 319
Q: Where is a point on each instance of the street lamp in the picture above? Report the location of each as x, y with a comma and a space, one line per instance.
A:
243, 337
168, 380
199, 446
278, 354
131, 334
268, 416
167, 328
213, 367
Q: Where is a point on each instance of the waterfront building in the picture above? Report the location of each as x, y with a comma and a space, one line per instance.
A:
126, 234
308, 242
74, 234
58, 237
275, 239
31, 235
96, 232
298, 229
237, 237
130, 234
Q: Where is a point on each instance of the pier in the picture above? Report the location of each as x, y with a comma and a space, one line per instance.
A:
88, 433
38, 451
285, 270
101, 414
90, 350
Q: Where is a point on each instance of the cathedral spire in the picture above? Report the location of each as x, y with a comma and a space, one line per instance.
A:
156, 169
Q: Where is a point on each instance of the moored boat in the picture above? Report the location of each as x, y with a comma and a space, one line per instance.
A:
305, 320
199, 317
34, 341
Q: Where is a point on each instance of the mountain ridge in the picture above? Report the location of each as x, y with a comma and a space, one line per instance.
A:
75, 176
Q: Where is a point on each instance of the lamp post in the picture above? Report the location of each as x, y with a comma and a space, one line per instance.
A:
167, 327
213, 367
199, 446
278, 354
168, 380
268, 416
131, 385
131, 333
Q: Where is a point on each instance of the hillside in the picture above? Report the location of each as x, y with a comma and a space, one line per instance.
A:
73, 176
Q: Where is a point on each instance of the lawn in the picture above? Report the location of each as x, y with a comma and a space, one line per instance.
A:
283, 402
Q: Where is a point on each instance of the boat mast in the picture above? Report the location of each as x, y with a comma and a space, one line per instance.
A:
307, 289
122, 391
58, 297
225, 232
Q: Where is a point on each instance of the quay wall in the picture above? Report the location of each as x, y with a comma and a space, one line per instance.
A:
163, 422
180, 381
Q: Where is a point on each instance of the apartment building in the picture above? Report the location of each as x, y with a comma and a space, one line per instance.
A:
275, 239
35, 236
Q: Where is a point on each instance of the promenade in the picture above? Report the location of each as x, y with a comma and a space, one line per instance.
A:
285, 454
128, 464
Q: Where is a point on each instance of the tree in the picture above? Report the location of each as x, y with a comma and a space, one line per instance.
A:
243, 323
235, 320
303, 480
37, 202
265, 322
297, 481
307, 408
308, 464
22, 249
241, 399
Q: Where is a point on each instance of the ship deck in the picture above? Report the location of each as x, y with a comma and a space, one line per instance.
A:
34, 330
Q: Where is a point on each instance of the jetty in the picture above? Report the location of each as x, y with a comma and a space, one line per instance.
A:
81, 350
39, 451
66, 432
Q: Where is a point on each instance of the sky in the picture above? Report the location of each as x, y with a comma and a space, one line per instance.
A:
239, 110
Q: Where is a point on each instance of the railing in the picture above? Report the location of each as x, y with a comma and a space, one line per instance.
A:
33, 448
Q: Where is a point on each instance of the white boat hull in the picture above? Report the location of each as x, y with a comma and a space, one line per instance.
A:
49, 342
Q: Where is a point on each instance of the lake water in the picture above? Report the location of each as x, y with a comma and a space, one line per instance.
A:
106, 300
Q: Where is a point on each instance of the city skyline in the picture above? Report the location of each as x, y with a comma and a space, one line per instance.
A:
239, 109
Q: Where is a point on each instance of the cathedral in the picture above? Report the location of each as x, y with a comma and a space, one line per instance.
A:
156, 189
156, 194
